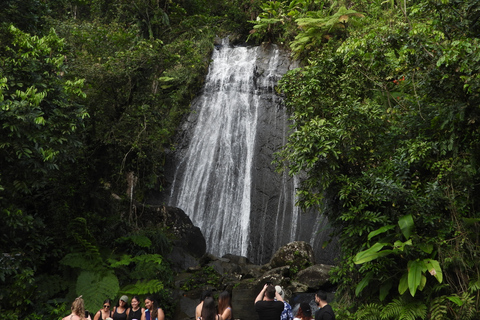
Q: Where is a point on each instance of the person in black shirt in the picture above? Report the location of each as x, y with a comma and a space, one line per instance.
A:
265, 304
325, 311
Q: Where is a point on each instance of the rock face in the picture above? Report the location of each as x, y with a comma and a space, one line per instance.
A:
188, 242
242, 204
245, 280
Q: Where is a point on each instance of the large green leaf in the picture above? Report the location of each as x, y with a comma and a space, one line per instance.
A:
96, 287
434, 268
415, 270
403, 284
371, 254
406, 225
380, 230
362, 284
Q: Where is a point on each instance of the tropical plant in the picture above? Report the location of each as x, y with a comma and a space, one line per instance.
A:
385, 127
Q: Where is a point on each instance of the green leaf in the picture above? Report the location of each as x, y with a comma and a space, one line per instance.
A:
434, 268
415, 269
425, 247
456, 300
95, 287
403, 284
385, 289
362, 284
380, 230
406, 225
371, 254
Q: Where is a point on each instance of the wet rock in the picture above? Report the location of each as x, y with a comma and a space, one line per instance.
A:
298, 255
314, 277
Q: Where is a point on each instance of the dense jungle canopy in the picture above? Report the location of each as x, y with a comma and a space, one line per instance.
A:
386, 112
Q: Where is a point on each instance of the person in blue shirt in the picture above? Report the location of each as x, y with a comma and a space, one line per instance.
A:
287, 313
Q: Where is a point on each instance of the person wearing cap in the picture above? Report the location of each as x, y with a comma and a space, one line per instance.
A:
325, 311
268, 303
287, 308
121, 310
304, 312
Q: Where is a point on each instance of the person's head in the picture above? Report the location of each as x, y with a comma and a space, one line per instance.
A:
152, 304
123, 302
78, 307
206, 293
270, 292
280, 291
305, 311
208, 310
224, 301
135, 302
107, 305
321, 298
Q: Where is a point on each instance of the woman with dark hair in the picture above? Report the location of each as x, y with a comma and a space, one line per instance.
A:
209, 312
198, 309
152, 311
78, 310
105, 312
136, 311
121, 310
225, 306
304, 312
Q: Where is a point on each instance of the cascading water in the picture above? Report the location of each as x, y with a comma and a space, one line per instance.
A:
224, 178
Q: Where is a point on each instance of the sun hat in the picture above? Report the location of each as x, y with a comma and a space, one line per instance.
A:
280, 291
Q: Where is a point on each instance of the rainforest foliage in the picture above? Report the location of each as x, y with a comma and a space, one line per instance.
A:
386, 112
91, 92
386, 126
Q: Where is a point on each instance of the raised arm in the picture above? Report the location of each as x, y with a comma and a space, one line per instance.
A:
261, 294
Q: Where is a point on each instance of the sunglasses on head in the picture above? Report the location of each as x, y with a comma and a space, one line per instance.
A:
106, 306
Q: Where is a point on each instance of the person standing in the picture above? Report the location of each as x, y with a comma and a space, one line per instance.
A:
121, 310
266, 306
209, 311
225, 306
78, 310
198, 309
152, 311
325, 311
105, 312
287, 313
304, 312
135, 311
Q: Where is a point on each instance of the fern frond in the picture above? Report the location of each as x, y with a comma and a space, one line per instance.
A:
96, 287
405, 309
80, 260
369, 312
143, 287
438, 308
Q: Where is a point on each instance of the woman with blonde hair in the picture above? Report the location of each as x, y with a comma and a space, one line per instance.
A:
78, 310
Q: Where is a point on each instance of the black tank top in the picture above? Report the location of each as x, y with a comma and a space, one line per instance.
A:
119, 316
135, 314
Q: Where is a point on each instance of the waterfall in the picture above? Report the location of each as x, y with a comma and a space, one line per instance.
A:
224, 178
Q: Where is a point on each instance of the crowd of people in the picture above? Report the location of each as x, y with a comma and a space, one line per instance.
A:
270, 304
121, 311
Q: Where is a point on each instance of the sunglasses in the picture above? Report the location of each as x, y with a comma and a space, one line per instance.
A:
105, 306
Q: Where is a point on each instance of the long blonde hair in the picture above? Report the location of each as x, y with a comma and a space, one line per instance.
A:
78, 307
